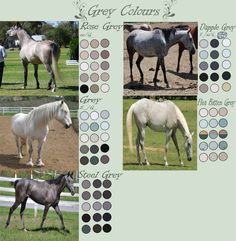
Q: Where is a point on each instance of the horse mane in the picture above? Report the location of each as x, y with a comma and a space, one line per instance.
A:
166, 32
182, 123
56, 180
43, 113
183, 26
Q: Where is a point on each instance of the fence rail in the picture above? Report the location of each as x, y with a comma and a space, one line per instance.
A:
14, 110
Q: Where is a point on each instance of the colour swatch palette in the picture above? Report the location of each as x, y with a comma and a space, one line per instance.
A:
96, 206
215, 65
94, 66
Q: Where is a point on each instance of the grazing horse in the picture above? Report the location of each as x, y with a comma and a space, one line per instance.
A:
156, 43
46, 193
34, 126
45, 52
194, 32
131, 27
160, 117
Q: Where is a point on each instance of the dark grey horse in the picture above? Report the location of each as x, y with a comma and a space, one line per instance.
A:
45, 52
156, 43
46, 193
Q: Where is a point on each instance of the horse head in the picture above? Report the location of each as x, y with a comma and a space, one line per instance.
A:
187, 41
12, 31
63, 114
188, 146
69, 182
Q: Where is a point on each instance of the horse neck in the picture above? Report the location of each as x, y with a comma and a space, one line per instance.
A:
175, 38
23, 36
42, 115
61, 186
182, 123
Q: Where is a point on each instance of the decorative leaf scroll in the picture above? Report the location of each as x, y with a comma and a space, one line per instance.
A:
81, 10
167, 8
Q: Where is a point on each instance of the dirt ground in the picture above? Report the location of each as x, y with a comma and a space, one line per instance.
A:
182, 83
60, 151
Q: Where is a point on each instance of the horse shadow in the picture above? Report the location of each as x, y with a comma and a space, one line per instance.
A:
69, 87
50, 229
151, 164
136, 85
184, 75
11, 161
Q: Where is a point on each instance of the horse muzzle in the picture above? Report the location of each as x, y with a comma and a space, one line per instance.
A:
189, 159
67, 126
72, 193
192, 51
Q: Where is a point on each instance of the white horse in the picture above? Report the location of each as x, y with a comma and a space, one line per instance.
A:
34, 126
160, 117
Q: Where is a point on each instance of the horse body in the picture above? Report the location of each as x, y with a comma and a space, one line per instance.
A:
45, 52
46, 193
160, 117
34, 126
156, 43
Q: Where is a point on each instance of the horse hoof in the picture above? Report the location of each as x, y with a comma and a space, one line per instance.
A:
29, 164
41, 164
25, 229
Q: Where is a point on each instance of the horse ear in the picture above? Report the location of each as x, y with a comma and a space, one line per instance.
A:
71, 174
68, 174
62, 101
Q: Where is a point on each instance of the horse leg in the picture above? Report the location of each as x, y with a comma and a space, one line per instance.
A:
155, 80
58, 211
191, 63
140, 58
12, 209
36, 75
137, 148
25, 65
168, 136
52, 82
45, 212
39, 162
177, 147
164, 71
30, 161
141, 138
179, 57
18, 146
131, 55
23, 204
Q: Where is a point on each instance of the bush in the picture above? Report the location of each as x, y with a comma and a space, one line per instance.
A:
74, 49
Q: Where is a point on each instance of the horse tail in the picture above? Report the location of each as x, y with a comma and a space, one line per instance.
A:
129, 126
55, 57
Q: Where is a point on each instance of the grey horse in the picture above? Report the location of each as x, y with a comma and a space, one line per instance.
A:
45, 52
156, 43
46, 193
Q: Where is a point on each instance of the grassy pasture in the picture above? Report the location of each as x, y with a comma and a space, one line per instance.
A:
51, 230
13, 78
155, 141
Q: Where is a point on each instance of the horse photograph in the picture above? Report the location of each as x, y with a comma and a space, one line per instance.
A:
158, 134
33, 131
39, 205
166, 46
38, 58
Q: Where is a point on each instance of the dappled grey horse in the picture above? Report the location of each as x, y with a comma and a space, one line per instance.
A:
45, 52
156, 43
46, 193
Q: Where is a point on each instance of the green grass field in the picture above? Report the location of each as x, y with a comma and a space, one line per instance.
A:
155, 141
13, 77
51, 230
